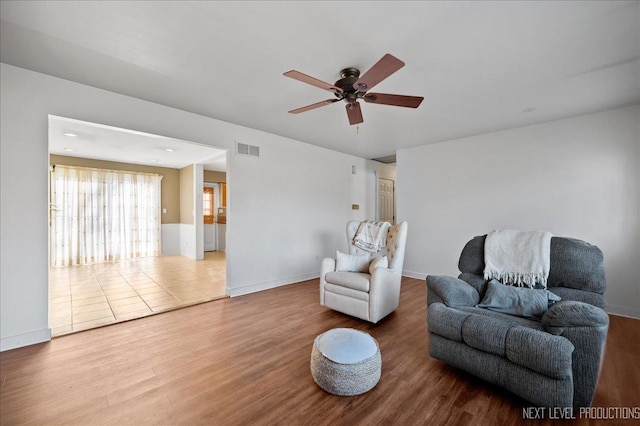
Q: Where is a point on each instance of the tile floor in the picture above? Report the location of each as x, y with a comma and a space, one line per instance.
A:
84, 297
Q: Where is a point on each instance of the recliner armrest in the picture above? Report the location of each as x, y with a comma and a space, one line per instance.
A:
384, 271
384, 292
573, 314
450, 291
328, 265
585, 326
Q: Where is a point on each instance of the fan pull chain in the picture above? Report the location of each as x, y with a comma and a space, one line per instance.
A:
357, 130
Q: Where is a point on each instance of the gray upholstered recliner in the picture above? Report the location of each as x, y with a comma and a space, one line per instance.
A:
551, 362
368, 296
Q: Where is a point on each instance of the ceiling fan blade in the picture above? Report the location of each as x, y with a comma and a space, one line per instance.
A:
297, 75
313, 106
354, 113
381, 70
395, 100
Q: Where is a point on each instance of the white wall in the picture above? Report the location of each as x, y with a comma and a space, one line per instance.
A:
297, 215
287, 209
578, 177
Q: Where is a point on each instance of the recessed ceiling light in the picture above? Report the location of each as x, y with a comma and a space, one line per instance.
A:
169, 149
71, 135
69, 149
153, 161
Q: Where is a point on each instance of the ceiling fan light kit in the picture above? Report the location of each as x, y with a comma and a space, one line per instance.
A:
352, 87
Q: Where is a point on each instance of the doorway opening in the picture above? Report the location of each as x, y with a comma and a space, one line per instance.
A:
386, 200
385, 191
214, 206
126, 218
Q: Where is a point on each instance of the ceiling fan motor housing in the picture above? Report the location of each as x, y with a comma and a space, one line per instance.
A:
349, 77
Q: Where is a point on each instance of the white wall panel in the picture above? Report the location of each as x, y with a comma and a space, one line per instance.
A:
578, 177
170, 239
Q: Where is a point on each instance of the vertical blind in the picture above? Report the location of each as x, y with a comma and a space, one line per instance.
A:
103, 215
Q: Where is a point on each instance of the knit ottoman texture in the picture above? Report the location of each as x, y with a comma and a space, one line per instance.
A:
346, 362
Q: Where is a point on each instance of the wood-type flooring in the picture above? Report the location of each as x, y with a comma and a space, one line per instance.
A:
245, 361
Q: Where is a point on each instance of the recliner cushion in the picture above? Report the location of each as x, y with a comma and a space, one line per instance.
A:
534, 349
354, 280
485, 333
574, 263
535, 324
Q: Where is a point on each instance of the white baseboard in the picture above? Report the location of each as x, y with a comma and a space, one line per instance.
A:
267, 285
623, 311
412, 274
25, 339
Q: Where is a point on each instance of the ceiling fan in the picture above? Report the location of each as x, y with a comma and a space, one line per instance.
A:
352, 87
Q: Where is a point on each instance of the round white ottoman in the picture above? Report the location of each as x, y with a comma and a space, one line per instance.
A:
345, 361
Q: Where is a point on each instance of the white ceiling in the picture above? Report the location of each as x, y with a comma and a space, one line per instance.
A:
481, 66
77, 138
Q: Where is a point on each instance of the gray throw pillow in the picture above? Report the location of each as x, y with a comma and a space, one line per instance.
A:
518, 301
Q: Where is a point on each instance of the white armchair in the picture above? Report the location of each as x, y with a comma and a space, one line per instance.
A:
368, 296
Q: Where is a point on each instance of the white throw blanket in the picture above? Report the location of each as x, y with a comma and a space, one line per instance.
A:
371, 236
517, 258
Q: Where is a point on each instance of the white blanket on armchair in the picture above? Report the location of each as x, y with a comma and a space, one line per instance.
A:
371, 236
517, 258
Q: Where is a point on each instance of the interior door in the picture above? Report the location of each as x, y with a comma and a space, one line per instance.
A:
386, 194
208, 209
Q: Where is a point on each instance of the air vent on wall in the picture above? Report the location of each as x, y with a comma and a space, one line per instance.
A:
249, 150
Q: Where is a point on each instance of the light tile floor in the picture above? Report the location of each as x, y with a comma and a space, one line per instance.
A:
84, 297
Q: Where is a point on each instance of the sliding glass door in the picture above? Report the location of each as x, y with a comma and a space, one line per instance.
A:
103, 215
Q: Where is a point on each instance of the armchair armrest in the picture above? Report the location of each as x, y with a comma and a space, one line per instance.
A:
384, 277
585, 326
450, 291
573, 314
328, 265
384, 292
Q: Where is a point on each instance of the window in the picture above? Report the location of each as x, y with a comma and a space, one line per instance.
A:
207, 205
